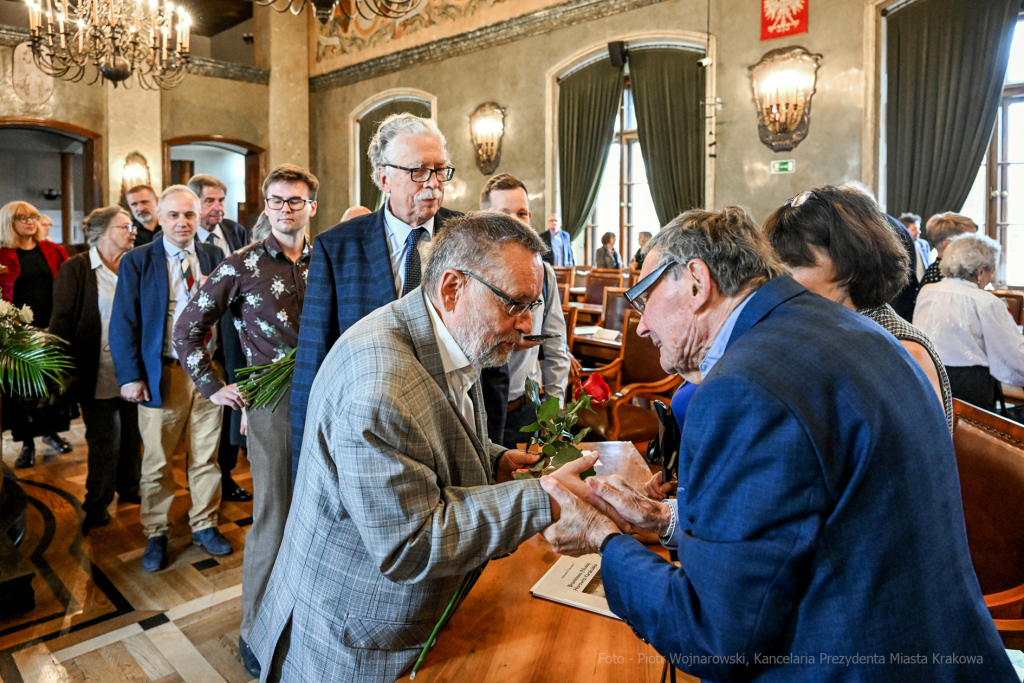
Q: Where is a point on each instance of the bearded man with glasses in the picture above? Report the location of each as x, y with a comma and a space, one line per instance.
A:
370, 261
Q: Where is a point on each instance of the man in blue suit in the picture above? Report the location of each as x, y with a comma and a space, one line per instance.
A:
818, 523
368, 262
154, 283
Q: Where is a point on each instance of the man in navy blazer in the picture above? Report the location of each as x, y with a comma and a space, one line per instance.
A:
154, 283
818, 523
368, 262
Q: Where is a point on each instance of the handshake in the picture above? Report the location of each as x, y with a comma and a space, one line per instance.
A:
587, 511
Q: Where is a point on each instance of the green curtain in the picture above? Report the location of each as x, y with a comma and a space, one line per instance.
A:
369, 195
946, 62
588, 102
668, 92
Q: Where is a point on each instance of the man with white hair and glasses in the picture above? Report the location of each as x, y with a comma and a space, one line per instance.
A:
368, 262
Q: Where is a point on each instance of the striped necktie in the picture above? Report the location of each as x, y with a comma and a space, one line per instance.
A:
412, 262
187, 276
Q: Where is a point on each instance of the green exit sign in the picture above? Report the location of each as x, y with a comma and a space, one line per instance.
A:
784, 166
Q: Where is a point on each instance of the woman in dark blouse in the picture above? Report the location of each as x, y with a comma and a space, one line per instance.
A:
32, 264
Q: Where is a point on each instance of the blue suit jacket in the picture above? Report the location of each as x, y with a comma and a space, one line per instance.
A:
140, 313
349, 277
821, 513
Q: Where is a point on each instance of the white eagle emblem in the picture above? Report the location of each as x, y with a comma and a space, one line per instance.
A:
782, 14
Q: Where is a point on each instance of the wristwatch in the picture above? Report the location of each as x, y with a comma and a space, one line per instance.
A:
604, 543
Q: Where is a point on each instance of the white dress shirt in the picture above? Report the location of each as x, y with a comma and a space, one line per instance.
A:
218, 238
553, 372
458, 371
398, 243
969, 326
177, 292
106, 284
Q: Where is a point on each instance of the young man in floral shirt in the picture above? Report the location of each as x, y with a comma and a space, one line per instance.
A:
263, 286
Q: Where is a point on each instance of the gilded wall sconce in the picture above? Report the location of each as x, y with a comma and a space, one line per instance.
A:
487, 127
784, 82
135, 172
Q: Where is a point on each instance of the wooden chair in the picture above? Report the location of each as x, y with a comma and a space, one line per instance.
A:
990, 460
636, 373
597, 281
563, 293
570, 326
1014, 302
634, 277
563, 275
613, 308
580, 277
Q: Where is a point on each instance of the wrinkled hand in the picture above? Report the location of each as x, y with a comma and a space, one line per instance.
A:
136, 392
637, 509
575, 367
568, 476
244, 428
512, 461
580, 528
654, 488
229, 395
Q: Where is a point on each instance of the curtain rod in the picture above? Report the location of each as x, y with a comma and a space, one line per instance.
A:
895, 7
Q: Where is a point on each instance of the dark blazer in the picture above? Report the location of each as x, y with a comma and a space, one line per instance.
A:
820, 512
349, 278
549, 257
76, 320
905, 301
235, 234
605, 258
140, 313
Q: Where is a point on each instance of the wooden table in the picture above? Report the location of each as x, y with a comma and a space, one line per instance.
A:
585, 308
592, 347
502, 633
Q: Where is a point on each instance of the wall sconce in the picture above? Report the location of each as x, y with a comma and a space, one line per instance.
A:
487, 126
784, 81
135, 172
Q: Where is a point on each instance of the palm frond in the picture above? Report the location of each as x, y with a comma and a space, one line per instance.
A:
33, 363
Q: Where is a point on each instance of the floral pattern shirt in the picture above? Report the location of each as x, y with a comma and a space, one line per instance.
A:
264, 292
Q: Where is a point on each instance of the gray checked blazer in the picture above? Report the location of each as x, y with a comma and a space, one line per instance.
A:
392, 508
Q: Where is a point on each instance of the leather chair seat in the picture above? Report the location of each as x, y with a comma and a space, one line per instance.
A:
635, 424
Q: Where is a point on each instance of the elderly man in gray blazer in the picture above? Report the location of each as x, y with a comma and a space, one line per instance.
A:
400, 491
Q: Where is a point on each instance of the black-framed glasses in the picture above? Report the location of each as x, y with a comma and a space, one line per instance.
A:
516, 308
422, 174
637, 294
294, 203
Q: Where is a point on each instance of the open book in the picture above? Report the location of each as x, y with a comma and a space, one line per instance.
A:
575, 581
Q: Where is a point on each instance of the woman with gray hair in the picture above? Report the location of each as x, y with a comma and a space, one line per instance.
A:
971, 329
82, 304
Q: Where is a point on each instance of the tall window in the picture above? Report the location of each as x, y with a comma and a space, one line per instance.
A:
624, 206
996, 201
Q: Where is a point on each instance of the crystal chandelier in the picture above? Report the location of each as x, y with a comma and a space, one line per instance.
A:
117, 38
389, 9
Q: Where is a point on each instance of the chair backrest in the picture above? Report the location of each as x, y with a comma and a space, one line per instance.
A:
1014, 302
634, 277
580, 277
641, 359
563, 292
570, 326
596, 283
614, 308
990, 459
563, 275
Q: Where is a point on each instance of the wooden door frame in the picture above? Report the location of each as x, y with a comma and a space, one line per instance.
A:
92, 154
255, 166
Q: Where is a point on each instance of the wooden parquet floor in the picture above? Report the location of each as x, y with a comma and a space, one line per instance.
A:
99, 615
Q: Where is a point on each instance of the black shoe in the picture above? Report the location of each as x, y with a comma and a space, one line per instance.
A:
93, 520
129, 498
234, 492
28, 455
57, 443
252, 665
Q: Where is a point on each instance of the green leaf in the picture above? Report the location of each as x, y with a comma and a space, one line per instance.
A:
538, 466
565, 455
548, 410
530, 428
533, 393
579, 437
549, 450
522, 475
588, 473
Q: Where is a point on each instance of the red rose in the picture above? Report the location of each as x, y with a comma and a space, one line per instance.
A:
596, 388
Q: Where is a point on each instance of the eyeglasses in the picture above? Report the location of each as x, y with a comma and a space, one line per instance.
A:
422, 174
130, 227
800, 199
27, 219
516, 308
294, 203
638, 294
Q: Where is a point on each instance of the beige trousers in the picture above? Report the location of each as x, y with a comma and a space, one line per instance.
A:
184, 413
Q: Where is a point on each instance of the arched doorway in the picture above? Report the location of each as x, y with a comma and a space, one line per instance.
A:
60, 169
242, 162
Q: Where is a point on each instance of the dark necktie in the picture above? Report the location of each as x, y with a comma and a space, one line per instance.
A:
412, 262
